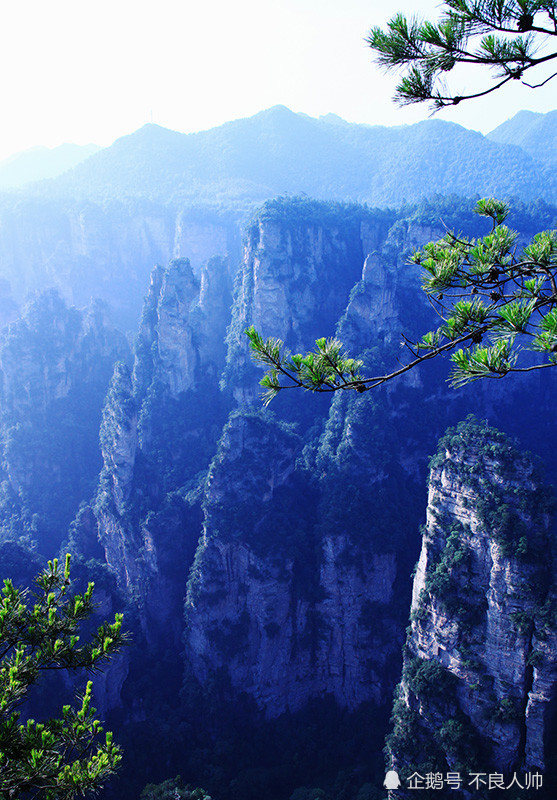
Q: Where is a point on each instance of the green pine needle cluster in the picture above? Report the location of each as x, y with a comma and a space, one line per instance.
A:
510, 297
495, 303
502, 35
325, 369
61, 757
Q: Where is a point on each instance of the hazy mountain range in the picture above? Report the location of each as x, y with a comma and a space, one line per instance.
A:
281, 152
263, 557
40, 163
534, 133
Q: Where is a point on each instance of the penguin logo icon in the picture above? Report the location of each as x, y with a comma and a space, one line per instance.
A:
392, 780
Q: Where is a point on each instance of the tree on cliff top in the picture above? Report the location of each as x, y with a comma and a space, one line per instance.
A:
59, 758
493, 302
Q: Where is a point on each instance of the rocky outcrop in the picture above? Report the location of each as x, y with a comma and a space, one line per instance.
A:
183, 327
176, 358
213, 316
301, 258
480, 669
146, 340
55, 366
118, 436
53, 350
378, 309
86, 249
290, 612
159, 429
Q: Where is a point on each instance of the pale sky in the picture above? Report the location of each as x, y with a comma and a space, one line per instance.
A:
81, 71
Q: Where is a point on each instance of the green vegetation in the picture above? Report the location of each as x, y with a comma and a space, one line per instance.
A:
515, 506
475, 437
459, 741
173, 789
497, 303
428, 678
507, 711
504, 37
411, 742
418, 740
441, 580
64, 757
303, 212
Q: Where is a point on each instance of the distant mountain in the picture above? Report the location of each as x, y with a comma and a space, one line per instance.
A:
39, 163
280, 152
535, 133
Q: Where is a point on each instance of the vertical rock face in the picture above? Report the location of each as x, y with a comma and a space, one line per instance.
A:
246, 611
52, 350
387, 300
118, 436
183, 327
287, 610
480, 669
146, 340
176, 358
281, 258
301, 258
55, 366
239, 605
165, 350
86, 250
159, 429
199, 240
213, 316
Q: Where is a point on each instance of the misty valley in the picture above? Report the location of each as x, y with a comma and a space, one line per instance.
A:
319, 593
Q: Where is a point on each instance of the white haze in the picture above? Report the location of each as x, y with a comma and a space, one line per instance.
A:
81, 71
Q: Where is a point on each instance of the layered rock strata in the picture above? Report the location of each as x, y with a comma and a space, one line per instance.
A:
160, 425
480, 665
296, 274
289, 612
55, 366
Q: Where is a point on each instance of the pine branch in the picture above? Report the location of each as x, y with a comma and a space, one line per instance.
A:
508, 40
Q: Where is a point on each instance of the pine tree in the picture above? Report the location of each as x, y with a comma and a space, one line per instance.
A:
58, 758
509, 38
494, 303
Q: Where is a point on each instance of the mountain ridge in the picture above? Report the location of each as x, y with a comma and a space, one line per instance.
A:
42, 163
532, 132
280, 152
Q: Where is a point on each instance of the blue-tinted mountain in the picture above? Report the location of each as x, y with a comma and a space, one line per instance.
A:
535, 133
280, 152
39, 163
287, 536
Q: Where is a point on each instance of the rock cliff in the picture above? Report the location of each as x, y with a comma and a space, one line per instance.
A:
55, 365
291, 611
301, 259
52, 350
159, 429
105, 250
480, 668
